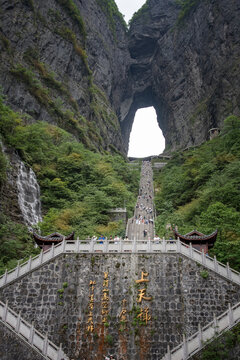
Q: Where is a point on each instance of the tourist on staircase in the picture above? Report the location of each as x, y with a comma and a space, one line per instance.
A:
141, 225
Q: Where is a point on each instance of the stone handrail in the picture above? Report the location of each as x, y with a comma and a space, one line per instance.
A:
30, 335
121, 246
203, 336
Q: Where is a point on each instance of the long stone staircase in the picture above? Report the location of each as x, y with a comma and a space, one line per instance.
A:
141, 225
136, 243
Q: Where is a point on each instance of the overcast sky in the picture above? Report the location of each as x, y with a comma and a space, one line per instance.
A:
129, 7
146, 137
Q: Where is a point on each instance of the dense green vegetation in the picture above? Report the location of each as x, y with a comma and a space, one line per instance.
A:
78, 186
15, 243
200, 189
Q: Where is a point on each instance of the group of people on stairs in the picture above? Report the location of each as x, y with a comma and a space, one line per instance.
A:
141, 225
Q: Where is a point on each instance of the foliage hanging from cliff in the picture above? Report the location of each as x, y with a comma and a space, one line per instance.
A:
141, 13
74, 12
200, 189
110, 9
186, 7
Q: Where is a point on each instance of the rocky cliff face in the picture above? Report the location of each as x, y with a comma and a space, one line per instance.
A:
63, 64
185, 63
76, 67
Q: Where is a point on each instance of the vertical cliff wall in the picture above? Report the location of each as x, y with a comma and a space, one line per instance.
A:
64, 62
185, 63
91, 302
73, 64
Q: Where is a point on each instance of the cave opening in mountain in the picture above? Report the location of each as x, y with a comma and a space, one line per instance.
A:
146, 137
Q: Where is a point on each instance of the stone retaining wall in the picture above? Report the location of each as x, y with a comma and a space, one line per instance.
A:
179, 295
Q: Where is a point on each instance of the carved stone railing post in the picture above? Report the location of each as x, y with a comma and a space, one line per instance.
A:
91, 246
41, 256
215, 323
105, 246
149, 246
120, 245
134, 245
164, 245
18, 269
18, 323
59, 355
168, 353
229, 272
52, 251
64, 244
203, 258
230, 315
178, 245
5, 310
45, 344
215, 263
78, 245
31, 335
29, 263
5, 277
191, 251
185, 347
200, 337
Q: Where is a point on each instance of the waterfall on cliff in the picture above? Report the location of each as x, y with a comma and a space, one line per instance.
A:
28, 195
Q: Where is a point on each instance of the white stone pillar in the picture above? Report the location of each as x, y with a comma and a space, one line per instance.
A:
200, 337
230, 315
185, 348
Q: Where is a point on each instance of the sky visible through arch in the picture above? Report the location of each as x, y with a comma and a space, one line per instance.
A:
146, 137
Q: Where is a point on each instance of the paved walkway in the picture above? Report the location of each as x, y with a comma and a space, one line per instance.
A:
141, 225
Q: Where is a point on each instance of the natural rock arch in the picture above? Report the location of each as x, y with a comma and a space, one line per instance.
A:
191, 85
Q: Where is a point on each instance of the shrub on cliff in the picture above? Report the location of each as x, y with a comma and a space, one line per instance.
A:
200, 189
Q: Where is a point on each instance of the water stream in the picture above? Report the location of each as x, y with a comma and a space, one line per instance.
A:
28, 195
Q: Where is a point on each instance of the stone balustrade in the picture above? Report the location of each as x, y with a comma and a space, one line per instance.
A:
204, 335
30, 335
121, 246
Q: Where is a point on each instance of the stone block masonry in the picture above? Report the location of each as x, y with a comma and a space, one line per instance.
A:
93, 305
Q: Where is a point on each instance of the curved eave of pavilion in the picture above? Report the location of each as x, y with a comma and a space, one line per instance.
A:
197, 238
52, 238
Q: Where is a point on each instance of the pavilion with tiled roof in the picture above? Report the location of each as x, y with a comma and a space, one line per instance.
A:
45, 242
198, 240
